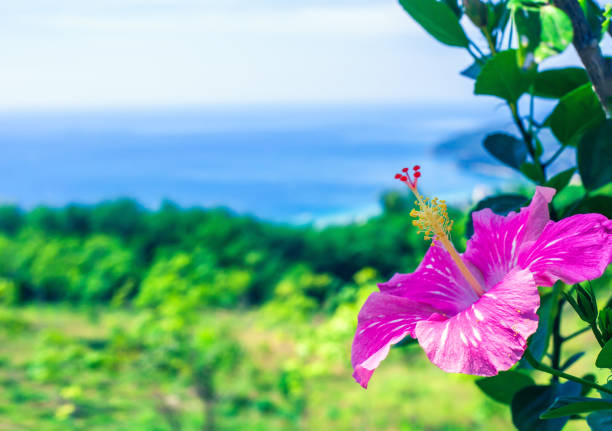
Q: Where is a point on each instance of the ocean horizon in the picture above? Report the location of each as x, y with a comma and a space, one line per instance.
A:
295, 164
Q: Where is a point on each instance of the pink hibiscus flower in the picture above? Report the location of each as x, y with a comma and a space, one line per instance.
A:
473, 313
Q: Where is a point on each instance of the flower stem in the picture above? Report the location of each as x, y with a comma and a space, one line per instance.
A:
545, 368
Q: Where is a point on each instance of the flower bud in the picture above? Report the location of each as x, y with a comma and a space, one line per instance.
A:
604, 321
587, 304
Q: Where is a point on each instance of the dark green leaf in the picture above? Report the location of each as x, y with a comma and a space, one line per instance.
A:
454, 6
437, 19
595, 156
561, 180
529, 28
595, 204
557, 33
506, 148
530, 402
590, 377
538, 342
604, 359
567, 406
600, 421
533, 171
571, 360
556, 83
503, 386
502, 77
500, 204
576, 113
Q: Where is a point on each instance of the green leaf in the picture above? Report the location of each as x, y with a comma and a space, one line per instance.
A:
595, 156
561, 180
529, 28
576, 113
503, 386
595, 204
437, 19
502, 77
533, 171
507, 149
567, 406
530, 402
557, 33
538, 342
600, 421
604, 359
500, 204
556, 83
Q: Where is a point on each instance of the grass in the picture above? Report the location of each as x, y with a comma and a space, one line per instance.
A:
407, 393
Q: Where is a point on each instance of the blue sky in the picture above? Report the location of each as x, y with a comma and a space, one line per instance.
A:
173, 52
75, 53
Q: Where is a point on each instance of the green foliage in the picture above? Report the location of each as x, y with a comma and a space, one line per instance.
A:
438, 19
561, 180
604, 359
503, 386
506, 148
502, 77
556, 35
576, 113
595, 156
567, 406
530, 402
556, 83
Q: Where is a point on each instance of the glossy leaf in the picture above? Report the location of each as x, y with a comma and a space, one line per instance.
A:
502, 77
503, 386
595, 156
533, 171
437, 19
576, 113
595, 204
556, 34
567, 406
507, 149
561, 180
530, 402
500, 204
538, 342
556, 83
604, 359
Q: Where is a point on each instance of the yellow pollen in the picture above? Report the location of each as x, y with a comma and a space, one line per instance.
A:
433, 222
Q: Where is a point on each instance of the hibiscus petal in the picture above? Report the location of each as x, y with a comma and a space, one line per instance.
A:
575, 249
498, 241
384, 320
488, 337
437, 282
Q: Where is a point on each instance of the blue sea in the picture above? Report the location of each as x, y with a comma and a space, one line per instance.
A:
296, 164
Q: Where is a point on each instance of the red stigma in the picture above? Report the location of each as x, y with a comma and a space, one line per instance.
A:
404, 178
416, 167
417, 174
398, 176
405, 170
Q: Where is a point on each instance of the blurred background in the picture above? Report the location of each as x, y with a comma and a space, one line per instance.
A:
197, 197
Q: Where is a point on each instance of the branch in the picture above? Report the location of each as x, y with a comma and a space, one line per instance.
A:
587, 46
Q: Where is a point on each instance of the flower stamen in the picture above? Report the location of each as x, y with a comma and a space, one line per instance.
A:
432, 219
